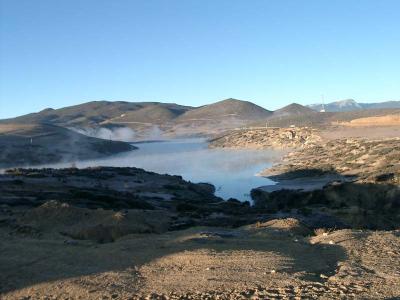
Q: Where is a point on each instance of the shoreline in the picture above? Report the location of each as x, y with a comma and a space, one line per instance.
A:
303, 183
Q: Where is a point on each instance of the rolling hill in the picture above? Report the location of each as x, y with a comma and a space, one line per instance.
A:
297, 115
130, 121
148, 119
33, 144
154, 114
94, 113
293, 109
227, 109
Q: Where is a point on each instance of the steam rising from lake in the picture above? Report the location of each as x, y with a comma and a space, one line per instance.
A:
232, 172
124, 134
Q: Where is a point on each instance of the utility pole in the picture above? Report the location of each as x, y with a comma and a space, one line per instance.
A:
323, 104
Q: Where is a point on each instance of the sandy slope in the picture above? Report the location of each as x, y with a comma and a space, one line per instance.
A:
388, 120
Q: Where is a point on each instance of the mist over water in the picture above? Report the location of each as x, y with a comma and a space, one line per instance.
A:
232, 172
124, 134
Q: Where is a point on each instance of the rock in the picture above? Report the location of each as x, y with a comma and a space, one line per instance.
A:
290, 226
281, 138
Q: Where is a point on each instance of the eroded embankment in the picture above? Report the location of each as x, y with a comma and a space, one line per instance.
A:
355, 180
358, 182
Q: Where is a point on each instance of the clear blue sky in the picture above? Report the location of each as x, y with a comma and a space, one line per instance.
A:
55, 53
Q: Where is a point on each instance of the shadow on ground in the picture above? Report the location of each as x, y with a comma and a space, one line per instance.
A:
370, 205
240, 255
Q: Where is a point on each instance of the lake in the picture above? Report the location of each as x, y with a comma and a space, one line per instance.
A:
232, 172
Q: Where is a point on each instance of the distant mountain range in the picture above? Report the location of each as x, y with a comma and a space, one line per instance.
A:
100, 128
119, 112
148, 119
352, 105
98, 112
121, 120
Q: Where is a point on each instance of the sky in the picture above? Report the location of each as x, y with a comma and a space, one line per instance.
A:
195, 52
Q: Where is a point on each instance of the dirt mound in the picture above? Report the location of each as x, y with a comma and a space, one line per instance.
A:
289, 225
99, 225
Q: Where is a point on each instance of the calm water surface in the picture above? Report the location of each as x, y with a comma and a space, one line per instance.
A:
232, 172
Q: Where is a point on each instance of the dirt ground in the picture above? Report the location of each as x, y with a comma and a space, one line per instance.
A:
274, 260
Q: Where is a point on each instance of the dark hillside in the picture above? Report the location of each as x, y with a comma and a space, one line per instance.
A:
229, 108
32, 144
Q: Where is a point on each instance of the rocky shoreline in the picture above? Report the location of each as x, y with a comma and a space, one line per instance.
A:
343, 202
269, 137
356, 180
108, 188
367, 160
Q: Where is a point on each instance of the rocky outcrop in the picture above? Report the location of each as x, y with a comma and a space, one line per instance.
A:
102, 187
355, 205
262, 138
132, 192
355, 180
374, 161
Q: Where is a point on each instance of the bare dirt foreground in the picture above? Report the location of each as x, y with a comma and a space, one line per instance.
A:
278, 259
